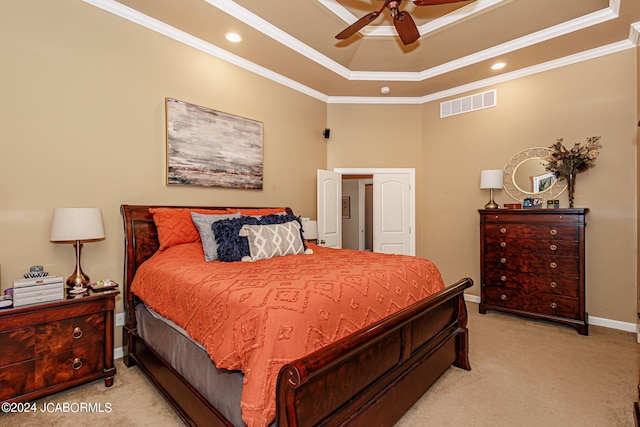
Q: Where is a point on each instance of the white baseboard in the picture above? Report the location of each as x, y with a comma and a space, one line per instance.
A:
596, 321
118, 353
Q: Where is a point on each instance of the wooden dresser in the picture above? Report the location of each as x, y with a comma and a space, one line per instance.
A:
533, 264
45, 348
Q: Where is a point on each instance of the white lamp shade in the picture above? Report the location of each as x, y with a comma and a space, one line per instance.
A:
70, 224
491, 179
309, 229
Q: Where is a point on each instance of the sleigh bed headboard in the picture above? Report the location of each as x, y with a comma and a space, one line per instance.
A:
141, 235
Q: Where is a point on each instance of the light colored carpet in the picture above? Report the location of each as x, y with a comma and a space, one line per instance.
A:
524, 373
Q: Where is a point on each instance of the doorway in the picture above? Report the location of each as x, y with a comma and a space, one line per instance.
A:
393, 208
357, 228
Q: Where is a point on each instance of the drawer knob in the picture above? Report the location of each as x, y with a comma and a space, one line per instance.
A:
76, 364
503, 278
553, 284
553, 247
503, 244
503, 297
553, 232
554, 305
77, 332
503, 230
553, 265
503, 260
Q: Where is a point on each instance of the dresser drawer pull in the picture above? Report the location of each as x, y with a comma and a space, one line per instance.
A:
553, 284
553, 265
77, 332
503, 260
554, 305
553, 247
503, 297
503, 244
503, 230
77, 364
503, 278
553, 232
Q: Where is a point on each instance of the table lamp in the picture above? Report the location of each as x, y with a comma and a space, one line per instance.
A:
309, 229
491, 179
77, 225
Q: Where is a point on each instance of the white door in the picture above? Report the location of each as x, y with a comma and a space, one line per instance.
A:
329, 209
392, 219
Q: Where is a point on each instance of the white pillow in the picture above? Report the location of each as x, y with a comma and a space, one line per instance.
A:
268, 241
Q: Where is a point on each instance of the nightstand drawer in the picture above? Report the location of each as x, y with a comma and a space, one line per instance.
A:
68, 365
37, 341
38, 294
34, 374
46, 348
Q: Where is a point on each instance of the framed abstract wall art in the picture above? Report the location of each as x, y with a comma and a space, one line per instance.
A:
209, 148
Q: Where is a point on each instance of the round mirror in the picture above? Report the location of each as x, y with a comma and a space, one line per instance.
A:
525, 176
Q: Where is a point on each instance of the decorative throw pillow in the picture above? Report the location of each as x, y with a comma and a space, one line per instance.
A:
203, 224
231, 246
175, 225
268, 241
281, 219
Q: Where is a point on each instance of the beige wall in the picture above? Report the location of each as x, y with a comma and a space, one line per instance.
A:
82, 118
597, 97
83, 125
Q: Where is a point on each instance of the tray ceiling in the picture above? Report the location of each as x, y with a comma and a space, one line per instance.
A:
292, 41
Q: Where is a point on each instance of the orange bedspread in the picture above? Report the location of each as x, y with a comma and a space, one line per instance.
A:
258, 316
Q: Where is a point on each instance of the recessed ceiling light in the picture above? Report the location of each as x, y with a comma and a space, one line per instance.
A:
498, 66
233, 37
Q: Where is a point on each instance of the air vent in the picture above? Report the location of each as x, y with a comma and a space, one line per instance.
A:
468, 103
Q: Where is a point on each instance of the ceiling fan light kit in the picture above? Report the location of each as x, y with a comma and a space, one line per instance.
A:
404, 23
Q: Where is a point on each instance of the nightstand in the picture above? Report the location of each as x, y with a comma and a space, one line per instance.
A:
50, 347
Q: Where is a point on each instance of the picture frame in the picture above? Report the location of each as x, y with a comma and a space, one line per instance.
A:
346, 207
210, 148
543, 182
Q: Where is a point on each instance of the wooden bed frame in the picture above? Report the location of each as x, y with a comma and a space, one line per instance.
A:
371, 377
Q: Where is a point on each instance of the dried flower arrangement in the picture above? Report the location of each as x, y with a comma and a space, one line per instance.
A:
566, 164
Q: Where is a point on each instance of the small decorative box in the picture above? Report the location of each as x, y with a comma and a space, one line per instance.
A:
39, 290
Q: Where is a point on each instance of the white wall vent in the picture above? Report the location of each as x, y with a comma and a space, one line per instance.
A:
468, 103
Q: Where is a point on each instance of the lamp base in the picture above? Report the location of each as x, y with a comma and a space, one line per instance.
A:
491, 204
78, 279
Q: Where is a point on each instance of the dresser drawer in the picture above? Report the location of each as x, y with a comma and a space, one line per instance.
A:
511, 246
532, 282
534, 302
532, 231
534, 217
532, 263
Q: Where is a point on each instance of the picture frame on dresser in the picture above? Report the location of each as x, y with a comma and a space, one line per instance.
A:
532, 263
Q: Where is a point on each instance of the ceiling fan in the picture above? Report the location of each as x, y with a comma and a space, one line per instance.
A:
405, 26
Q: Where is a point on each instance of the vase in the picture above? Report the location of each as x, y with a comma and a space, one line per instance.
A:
571, 186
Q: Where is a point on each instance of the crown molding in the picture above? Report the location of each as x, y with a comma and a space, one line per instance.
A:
139, 18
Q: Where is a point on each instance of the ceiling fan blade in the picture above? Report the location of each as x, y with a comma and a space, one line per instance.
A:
434, 2
358, 25
406, 27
